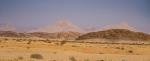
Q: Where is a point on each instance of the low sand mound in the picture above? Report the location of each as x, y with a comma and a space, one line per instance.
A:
116, 34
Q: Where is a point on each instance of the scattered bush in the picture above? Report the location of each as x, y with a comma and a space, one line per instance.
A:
120, 48
2, 46
36, 56
100, 53
54, 52
123, 60
99, 60
117, 47
72, 58
86, 60
20, 58
6, 39
29, 42
62, 42
28, 47
49, 42
74, 46
130, 51
18, 40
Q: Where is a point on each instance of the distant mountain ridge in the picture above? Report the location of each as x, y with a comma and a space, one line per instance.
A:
13, 34
111, 34
116, 34
56, 35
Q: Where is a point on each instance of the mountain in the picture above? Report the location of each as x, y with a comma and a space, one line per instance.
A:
57, 35
122, 25
116, 34
13, 34
60, 26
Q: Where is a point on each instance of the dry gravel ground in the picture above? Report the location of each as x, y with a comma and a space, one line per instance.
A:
11, 50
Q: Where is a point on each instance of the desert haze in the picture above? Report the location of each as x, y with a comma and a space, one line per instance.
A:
105, 45
74, 30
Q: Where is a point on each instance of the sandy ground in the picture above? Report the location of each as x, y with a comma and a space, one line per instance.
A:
12, 50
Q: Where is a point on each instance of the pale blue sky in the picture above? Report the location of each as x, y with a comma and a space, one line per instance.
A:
36, 13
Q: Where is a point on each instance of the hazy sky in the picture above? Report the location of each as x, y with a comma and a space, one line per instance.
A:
36, 13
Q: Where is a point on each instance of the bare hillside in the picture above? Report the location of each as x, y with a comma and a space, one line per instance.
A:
116, 34
13, 34
57, 35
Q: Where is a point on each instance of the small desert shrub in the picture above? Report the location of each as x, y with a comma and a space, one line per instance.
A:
86, 60
123, 60
74, 46
49, 42
36, 56
100, 53
130, 51
54, 52
29, 42
52, 60
28, 47
15, 59
72, 58
18, 40
5, 39
117, 47
2, 46
63, 42
101, 60
120, 48
20, 58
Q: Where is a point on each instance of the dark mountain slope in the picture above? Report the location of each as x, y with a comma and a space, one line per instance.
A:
116, 34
